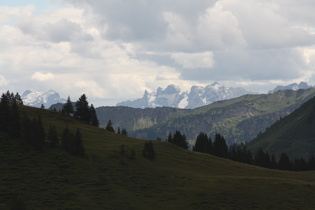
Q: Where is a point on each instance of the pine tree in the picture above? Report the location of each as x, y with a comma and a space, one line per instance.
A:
124, 132
262, 158
118, 130
220, 148
203, 143
68, 107
311, 163
284, 162
93, 117
170, 138
14, 121
82, 109
4, 112
109, 126
52, 136
66, 139
33, 132
18, 99
78, 144
179, 140
38, 132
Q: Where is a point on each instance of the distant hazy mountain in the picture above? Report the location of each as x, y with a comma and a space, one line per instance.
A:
294, 86
238, 120
173, 96
37, 98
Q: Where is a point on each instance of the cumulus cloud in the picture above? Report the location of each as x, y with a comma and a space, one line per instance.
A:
39, 76
90, 87
3, 81
194, 60
120, 48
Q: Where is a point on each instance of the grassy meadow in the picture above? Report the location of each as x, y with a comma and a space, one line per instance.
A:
107, 179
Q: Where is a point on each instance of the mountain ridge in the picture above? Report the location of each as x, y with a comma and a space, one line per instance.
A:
292, 134
173, 96
238, 120
38, 98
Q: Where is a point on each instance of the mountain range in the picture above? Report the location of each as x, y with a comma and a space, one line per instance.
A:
38, 98
173, 96
238, 120
294, 86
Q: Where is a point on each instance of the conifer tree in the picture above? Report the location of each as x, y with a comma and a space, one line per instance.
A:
203, 143
179, 140
82, 111
4, 112
124, 132
93, 117
284, 162
262, 158
109, 126
18, 99
66, 139
52, 136
220, 148
68, 107
118, 130
14, 121
78, 144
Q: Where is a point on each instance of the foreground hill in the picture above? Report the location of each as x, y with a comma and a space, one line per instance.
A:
294, 134
238, 120
108, 179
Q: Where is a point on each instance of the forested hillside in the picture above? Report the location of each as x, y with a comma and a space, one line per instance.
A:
119, 172
239, 119
293, 134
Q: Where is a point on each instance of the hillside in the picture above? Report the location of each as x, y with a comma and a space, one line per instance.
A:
107, 179
293, 134
238, 120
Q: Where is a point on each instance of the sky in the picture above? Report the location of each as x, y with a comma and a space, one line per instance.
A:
114, 50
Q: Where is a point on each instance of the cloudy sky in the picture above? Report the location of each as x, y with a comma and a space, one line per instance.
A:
115, 49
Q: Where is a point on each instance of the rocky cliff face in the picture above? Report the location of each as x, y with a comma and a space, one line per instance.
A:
37, 98
173, 96
294, 86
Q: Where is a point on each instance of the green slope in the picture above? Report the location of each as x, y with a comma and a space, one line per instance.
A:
294, 134
107, 179
238, 120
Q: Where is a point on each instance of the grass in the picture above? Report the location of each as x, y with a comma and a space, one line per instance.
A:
107, 179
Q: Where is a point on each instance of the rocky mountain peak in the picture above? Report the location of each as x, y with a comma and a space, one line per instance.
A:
37, 98
173, 96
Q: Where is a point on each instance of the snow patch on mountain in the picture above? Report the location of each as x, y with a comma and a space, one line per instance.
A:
173, 96
294, 86
38, 98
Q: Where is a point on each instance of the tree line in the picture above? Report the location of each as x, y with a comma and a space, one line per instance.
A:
240, 153
81, 110
31, 131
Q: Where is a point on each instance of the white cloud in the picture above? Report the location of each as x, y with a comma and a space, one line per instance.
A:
90, 88
194, 60
117, 49
42, 77
3, 81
